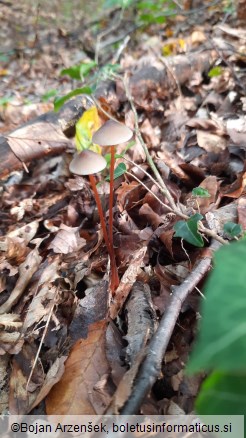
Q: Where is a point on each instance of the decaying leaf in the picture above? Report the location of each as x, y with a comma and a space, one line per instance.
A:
127, 280
21, 397
67, 240
140, 316
75, 393
52, 377
26, 271
4, 369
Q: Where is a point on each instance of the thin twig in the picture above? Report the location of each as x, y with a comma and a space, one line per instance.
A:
150, 191
151, 367
147, 154
43, 336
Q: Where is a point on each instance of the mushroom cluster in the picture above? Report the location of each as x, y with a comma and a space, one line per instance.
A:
87, 163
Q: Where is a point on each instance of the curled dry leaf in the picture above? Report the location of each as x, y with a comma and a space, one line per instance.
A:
67, 240
25, 233
115, 346
26, 271
52, 377
4, 396
21, 398
128, 194
10, 333
127, 280
140, 316
75, 393
16, 250
124, 389
90, 309
33, 141
151, 216
211, 184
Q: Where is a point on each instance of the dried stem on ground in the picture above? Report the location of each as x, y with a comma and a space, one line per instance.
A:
165, 190
43, 336
160, 183
151, 366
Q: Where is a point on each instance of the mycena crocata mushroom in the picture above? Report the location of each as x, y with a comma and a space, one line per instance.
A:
111, 134
87, 163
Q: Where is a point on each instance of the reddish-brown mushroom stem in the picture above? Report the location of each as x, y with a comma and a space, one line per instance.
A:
114, 272
110, 134
115, 276
87, 163
100, 211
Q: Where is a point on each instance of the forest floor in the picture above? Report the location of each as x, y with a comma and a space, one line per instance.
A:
180, 86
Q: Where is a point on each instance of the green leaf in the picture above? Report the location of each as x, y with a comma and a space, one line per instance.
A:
119, 171
46, 96
215, 71
222, 339
222, 394
200, 192
232, 229
5, 100
79, 71
187, 230
61, 100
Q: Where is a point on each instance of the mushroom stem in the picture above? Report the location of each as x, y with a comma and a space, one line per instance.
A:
100, 211
115, 278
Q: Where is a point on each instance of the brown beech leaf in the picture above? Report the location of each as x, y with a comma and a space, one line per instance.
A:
67, 240
115, 346
4, 371
141, 320
237, 188
20, 399
29, 142
128, 194
152, 217
149, 133
210, 142
52, 377
75, 393
207, 125
90, 309
26, 271
127, 280
211, 185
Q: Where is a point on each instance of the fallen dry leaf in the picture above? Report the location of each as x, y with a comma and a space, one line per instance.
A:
52, 377
67, 240
74, 394
26, 271
21, 398
127, 281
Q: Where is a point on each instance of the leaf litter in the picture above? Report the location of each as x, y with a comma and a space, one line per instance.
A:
67, 340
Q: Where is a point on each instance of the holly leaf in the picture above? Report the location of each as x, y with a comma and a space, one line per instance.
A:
79, 71
188, 230
232, 229
221, 342
199, 192
119, 170
61, 100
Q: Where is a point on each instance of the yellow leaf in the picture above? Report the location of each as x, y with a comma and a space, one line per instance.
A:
3, 72
88, 123
182, 44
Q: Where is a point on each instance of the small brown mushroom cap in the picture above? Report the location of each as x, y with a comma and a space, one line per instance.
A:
87, 162
112, 133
